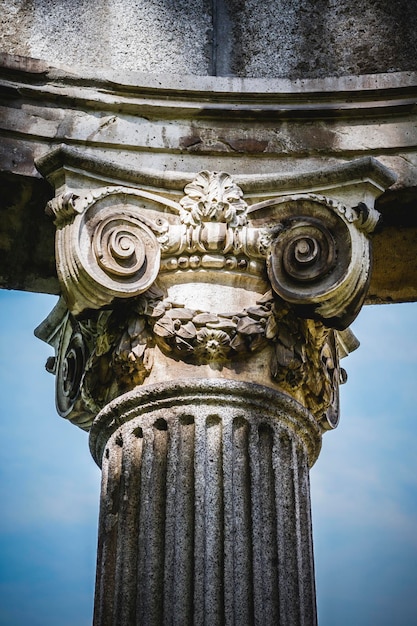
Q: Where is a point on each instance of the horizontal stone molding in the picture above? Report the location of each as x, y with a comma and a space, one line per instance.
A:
249, 398
65, 162
337, 93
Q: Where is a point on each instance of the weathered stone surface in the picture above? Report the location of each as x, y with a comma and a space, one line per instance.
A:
318, 38
205, 510
222, 287
132, 131
121, 34
172, 311
289, 39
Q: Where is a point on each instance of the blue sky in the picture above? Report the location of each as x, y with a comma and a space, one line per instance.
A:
364, 485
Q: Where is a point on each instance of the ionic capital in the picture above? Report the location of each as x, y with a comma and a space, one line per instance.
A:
206, 286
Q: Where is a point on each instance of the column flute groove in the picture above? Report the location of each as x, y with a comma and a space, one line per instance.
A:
179, 551
128, 531
241, 594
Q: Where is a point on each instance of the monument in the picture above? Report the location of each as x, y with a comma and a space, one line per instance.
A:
213, 243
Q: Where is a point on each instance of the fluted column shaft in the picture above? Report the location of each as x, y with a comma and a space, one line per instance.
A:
205, 511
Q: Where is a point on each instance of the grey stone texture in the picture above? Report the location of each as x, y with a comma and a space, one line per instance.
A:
318, 38
166, 35
136, 129
286, 38
205, 510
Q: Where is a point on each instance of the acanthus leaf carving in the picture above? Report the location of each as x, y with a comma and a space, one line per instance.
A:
305, 360
111, 351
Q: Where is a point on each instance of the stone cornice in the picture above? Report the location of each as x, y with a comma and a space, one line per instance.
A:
206, 116
350, 95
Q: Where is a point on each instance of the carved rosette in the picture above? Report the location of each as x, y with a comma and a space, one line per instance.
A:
121, 251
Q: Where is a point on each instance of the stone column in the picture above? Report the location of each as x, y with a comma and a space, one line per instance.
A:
205, 514
199, 342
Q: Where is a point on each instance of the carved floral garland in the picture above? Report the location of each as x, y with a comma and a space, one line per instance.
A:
206, 337
303, 358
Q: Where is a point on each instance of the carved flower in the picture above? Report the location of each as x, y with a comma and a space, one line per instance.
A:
212, 345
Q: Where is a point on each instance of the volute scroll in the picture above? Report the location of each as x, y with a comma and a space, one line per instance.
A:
106, 246
320, 260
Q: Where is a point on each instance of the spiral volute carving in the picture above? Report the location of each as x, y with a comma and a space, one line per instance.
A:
308, 251
70, 373
120, 247
319, 260
109, 251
